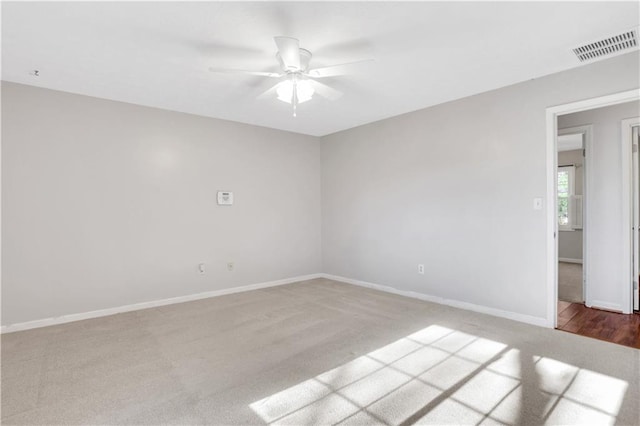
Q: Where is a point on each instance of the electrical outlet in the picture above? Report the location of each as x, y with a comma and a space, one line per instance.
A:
230, 266
421, 269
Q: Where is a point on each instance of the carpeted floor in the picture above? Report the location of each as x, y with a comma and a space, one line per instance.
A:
317, 352
570, 282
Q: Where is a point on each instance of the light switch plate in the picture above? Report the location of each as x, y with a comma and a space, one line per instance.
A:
537, 203
225, 198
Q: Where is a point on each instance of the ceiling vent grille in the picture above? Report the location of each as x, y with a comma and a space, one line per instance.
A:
608, 46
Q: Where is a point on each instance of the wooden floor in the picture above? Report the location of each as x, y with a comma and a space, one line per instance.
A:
610, 326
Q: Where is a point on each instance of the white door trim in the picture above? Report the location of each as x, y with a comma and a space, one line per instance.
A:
552, 114
626, 129
635, 142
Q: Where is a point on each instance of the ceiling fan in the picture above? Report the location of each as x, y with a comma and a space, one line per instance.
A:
298, 81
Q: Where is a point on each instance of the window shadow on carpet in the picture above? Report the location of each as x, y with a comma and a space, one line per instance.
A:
439, 375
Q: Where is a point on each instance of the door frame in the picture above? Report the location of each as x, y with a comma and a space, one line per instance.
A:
552, 114
626, 132
587, 140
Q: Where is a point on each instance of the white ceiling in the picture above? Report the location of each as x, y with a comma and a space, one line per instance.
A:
158, 53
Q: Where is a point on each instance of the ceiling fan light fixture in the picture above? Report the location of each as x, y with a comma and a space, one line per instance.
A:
303, 89
285, 91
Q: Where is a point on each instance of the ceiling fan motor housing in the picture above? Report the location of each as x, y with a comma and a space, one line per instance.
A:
305, 58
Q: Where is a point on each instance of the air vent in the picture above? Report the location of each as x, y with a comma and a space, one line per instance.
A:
608, 46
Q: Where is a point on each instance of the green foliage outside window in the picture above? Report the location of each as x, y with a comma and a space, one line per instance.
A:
563, 198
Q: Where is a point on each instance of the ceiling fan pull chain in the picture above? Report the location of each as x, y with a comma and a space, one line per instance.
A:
294, 95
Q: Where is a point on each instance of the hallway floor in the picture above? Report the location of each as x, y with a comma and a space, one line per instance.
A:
570, 282
604, 325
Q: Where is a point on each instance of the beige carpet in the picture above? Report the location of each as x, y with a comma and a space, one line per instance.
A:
317, 352
570, 282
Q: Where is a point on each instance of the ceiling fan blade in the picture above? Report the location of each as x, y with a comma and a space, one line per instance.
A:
325, 91
269, 93
336, 70
245, 72
289, 50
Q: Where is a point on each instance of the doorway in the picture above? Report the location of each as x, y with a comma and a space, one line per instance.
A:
601, 281
572, 148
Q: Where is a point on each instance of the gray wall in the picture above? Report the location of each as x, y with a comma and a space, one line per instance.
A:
452, 187
570, 242
605, 280
107, 204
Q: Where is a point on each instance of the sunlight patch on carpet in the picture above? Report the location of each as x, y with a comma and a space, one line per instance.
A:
439, 375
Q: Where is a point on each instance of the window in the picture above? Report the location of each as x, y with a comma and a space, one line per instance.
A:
566, 189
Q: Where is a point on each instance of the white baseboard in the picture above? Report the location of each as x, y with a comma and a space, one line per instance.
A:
541, 322
567, 260
599, 304
215, 293
145, 305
